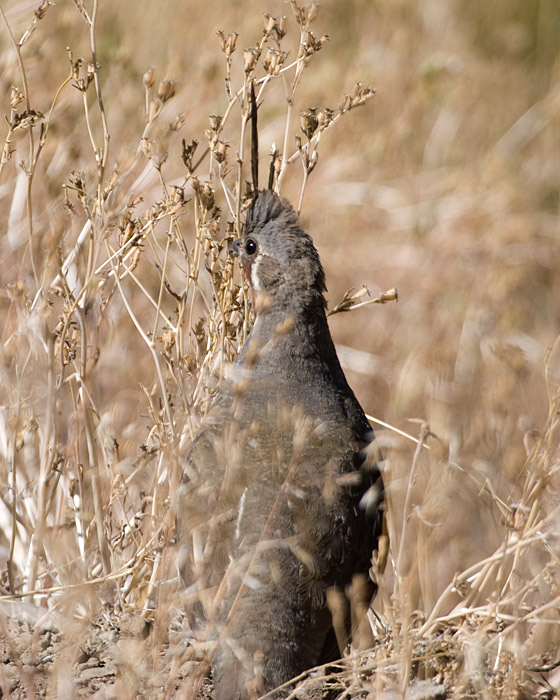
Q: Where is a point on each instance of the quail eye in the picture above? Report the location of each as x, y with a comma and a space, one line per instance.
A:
250, 246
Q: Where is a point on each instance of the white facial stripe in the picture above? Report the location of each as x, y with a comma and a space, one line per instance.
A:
255, 274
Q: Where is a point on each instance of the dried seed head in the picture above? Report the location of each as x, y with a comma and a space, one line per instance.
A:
16, 96
220, 151
250, 58
166, 90
390, 295
134, 201
215, 121
127, 226
312, 12
177, 123
77, 180
27, 119
325, 117
280, 28
310, 44
146, 147
82, 84
41, 11
269, 22
312, 162
231, 43
148, 77
76, 65
273, 61
299, 13
177, 194
159, 154
204, 193
227, 45
110, 186
358, 96
268, 59
168, 340
187, 154
309, 122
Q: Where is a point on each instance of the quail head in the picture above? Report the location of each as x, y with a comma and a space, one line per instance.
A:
277, 505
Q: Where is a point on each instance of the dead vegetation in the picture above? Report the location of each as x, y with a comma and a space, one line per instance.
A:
121, 190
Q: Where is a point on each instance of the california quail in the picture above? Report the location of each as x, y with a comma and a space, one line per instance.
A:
276, 504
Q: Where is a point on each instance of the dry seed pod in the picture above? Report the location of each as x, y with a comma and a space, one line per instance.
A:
16, 96
27, 119
358, 96
215, 121
222, 38
308, 122
299, 13
310, 44
148, 77
177, 194
273, 61
390, 295
220, 151
177, 123
324, 117
280, 28
187, 153
269, 23
76, 65
313, 12
146, 147
41, 11
231, 43
204, 193
250, 58
166, 90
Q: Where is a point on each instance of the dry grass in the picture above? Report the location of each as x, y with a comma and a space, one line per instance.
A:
120, 308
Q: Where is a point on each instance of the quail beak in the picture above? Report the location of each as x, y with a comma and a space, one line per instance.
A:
235, 251
234, 248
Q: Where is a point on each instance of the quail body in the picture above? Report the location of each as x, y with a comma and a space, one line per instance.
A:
277, 504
